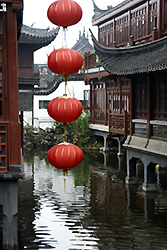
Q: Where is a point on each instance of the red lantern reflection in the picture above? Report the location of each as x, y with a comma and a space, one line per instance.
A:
65, 156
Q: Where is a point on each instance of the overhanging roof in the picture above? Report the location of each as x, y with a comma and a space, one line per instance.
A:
148, 57
37, 37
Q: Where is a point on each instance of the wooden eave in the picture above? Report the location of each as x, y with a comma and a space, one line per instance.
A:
116, 11
98, 74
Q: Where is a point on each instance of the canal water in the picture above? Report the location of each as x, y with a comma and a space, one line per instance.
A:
91, 208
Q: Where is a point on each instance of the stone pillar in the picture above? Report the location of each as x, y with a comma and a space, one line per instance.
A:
149, 178
106, 155
105, 148
120, 152
9, 200
131, 178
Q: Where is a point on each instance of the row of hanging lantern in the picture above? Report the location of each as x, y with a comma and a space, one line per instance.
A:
65, 61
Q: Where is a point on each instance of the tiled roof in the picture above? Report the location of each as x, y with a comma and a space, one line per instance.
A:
40, 37
148, 57
83, 44
54, 82
98, 13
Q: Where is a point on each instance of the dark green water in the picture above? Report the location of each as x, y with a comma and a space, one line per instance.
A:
91, 208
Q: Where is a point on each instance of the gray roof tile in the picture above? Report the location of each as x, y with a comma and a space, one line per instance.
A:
43, 37
148, 57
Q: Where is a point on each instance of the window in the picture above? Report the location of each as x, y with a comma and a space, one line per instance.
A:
159, 98
140, 99
43, 104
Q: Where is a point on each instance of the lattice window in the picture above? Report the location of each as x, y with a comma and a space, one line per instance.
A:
153, 16
106, 34
138, 22
121, 27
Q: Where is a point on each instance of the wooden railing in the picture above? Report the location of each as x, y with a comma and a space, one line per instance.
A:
119, 123
99, 117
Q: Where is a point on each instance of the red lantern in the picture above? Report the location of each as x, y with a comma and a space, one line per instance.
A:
64, 109
65, 61
64, 13
65, 156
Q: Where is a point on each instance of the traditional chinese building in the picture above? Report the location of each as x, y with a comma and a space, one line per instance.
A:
83, 45
31, 39
10, 26
11, 12
128, 99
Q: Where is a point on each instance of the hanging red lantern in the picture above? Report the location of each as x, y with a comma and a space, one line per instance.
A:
65, 61
64, 13
65, 156
65, 109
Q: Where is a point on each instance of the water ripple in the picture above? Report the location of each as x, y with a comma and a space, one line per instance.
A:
88, 210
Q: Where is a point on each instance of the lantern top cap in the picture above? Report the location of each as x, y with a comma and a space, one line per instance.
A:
65, 96
64, 143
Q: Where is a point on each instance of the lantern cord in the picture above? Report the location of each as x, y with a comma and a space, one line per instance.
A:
65, 79
65, 127
65, 88
64, 41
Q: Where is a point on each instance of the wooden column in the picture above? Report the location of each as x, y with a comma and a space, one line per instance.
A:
114, 33
90, 103
160, 16
93, 104
14, 139
148, 18
131, 107
148, 108
120, 96
106, 116
129, 24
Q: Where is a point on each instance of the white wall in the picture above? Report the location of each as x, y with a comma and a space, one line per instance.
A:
73, 89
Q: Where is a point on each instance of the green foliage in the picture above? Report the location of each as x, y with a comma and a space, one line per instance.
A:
34, 137
82, 172
78, 132
97, 145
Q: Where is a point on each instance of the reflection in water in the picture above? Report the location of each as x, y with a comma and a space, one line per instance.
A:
91, 208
